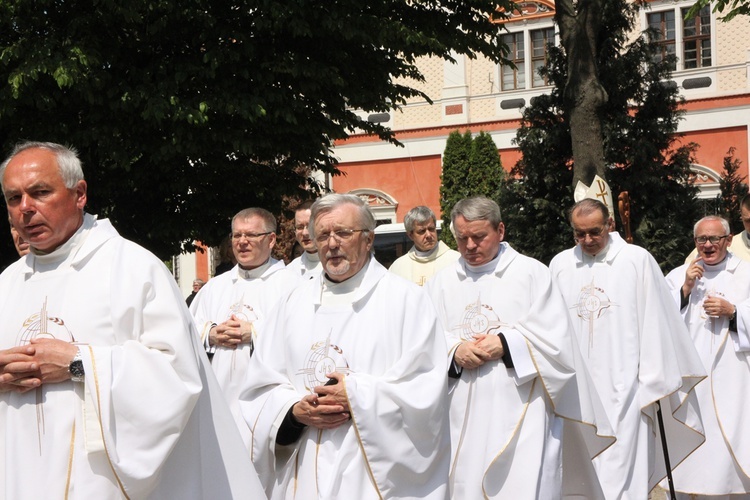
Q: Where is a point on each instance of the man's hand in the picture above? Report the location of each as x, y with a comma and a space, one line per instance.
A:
328, 408
491, 344
14, 372
716, 306
44, 361
694, 273
471, 355
231, 333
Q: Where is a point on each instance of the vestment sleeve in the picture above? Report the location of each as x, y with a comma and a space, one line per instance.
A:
142, 389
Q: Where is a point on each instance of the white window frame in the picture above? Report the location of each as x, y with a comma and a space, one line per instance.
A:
676, 7
526, 27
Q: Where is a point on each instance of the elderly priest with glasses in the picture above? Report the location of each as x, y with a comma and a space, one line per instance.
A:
712, 292
347, 396
635, 347
104, 389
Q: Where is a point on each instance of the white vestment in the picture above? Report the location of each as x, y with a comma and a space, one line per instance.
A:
722, 465
306, 265
149, 420
386, 340
249, 295
506, 430
638, 353
419, 268
740, 247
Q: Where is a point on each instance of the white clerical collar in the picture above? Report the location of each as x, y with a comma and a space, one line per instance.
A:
255, 273
343, 293
312, 257
487, 267
715, 268
66, 251
428, 253
600, 257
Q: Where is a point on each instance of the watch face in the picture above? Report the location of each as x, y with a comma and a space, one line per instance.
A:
76, 370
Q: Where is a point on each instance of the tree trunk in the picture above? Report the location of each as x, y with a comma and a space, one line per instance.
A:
584, 95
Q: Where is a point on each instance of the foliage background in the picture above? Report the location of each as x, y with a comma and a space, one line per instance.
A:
185, 113
646, 158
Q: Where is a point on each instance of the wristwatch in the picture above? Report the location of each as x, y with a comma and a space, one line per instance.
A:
76, 368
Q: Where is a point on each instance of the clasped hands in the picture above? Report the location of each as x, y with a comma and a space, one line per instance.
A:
474, 353
43, 361
326, 408
231, 333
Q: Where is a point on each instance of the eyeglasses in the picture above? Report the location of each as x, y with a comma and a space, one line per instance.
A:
250, 236
593, 234
713, 239
339, 235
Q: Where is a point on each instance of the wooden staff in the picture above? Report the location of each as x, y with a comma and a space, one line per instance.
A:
623, 204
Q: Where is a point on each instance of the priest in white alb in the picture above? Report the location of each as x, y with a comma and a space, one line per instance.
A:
713, 293
636, 348
347, 398
517, 376
428, 255
308, 264
230, 309
104, 389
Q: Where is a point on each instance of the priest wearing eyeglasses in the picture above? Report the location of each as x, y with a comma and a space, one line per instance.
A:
712, 292
229, 310
347, 396
635, 346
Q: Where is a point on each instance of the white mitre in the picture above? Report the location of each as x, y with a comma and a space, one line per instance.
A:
599, 190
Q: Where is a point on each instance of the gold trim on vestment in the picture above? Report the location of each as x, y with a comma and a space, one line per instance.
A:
512, 435
359, 440
101, 425
554, 409
721, 348
70, 460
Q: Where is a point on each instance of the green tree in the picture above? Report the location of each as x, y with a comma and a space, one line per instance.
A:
733, 190
639, 122
453, 185
471, 167
184, 113
486, 173
736, 8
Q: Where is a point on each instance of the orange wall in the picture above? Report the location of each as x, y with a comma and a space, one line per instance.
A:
411, 181
714, 145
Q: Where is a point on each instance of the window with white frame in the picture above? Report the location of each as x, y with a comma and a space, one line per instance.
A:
517, 42
514, 78
540, 41
689, 40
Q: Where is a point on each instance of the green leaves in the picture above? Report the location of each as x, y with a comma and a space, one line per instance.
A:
186, 113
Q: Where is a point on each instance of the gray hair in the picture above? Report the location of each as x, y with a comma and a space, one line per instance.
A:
708, 218
68, 163
269, 221
331, 201
418, 215
198, 281
477, 208
587, 206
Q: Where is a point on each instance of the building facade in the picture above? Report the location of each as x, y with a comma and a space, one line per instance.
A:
712, 73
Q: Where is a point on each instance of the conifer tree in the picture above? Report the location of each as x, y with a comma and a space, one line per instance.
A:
471, 167
639, 120
733, 189
453, 187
